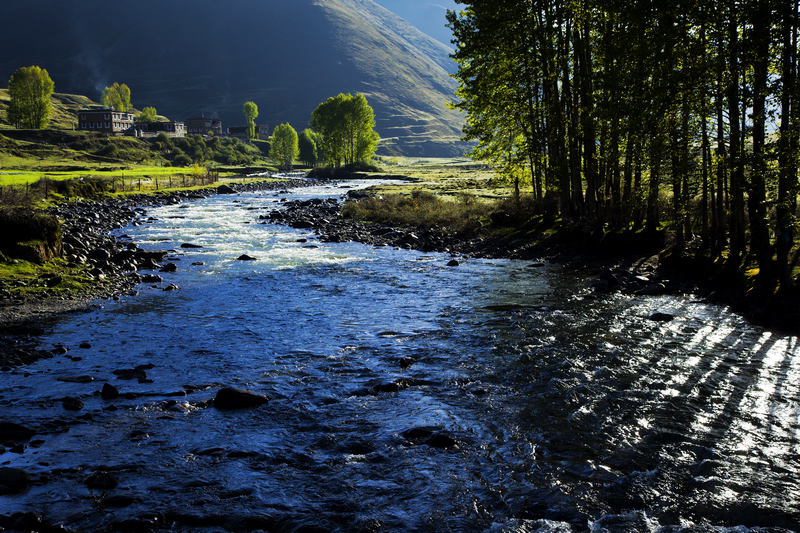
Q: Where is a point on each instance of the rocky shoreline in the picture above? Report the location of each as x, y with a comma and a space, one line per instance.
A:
115, 265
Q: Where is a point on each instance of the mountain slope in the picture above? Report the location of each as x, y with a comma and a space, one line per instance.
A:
192, 57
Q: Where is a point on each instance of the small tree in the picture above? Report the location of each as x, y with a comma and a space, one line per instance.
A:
30, 89
148, 114
117, 97
284, 146
310, 148
250, 111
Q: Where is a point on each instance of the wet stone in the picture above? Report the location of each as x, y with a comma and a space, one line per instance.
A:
13, 480
10, 431
109, 392
101, 481
72, 404
231, 398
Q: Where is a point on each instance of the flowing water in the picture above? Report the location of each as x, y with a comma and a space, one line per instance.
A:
557, 409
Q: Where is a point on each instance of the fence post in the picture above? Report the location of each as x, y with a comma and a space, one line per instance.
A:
140, 184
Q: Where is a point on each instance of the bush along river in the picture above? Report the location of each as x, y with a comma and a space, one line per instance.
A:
390, 391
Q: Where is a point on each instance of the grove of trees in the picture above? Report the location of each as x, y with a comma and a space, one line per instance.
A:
117, 97
250, 112
345, 127
29, 89
637, 114
283, 146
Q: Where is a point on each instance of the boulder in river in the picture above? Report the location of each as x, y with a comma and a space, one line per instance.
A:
453, 263
101, 481
171, 287
231, 398
72, 404
245, 257
13, 480
109, 392
226, 189
188, 245
661, 317
169, 267
9, 431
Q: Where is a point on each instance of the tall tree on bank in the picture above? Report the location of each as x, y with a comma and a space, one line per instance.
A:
284, 146
30, 89
607, 107
250, 112
117, 97
345, 124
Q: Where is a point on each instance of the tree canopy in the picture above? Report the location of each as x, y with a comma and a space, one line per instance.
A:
345, 124
250, 111
117, 97
635, 114
308, 144
148, 114
30, 89
284, 146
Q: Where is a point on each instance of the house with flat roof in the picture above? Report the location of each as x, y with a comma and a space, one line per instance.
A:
153, 129
202, 126
105, 121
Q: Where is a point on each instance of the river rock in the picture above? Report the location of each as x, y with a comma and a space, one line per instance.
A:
171, 287
226, 189
101, 481
169, 267
231, 398
453, 263
9, 431
188, 245
72, 404
152, 278
245, 257
661, 317
109, 392
13, 480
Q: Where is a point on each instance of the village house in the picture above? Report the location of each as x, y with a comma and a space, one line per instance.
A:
152, 129
202, 126
105, 121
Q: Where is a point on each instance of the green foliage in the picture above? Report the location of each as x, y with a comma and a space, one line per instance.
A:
195, 149
148, 114
117, 97
345, 124
284, 146
250, 111
30, 89
309, 145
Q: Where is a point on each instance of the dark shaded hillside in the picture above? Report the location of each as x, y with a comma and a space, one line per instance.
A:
188, 57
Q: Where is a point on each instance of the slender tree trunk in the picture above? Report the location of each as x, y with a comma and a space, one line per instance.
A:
787, 178
737, 220
757, 198
656, 147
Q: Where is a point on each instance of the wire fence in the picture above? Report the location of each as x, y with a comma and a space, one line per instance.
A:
92, 186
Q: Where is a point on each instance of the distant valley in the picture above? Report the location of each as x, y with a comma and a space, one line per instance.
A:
202, 57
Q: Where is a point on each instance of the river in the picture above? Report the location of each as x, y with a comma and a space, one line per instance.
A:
405, 395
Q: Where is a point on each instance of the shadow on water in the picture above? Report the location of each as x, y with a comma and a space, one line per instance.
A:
403, 395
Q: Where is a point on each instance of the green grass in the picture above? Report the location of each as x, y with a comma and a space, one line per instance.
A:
22, 278
422, 210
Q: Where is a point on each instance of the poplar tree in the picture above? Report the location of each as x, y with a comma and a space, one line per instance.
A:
29, 89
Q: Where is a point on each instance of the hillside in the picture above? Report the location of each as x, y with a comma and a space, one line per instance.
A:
62, 117
192, 57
